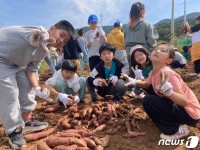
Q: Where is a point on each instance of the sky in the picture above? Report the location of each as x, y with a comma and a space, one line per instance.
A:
47, 12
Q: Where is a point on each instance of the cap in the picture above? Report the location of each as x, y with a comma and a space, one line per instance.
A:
139, 48
118, 23
92, 18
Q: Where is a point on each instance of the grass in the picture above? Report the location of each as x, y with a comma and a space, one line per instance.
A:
43, 67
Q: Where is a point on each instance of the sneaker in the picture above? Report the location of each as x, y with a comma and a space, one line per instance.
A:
182, 132
34, 125
193, 74
16, 139
140, 96
130, 93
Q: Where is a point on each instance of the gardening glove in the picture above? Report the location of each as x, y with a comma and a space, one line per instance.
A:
42, 94
76, 99
137, 72
100, 82
65, 99
128, 80
100, 30
40, 39
113, 79
165, 87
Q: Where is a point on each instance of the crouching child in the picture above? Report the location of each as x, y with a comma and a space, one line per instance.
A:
65, 84
105, 76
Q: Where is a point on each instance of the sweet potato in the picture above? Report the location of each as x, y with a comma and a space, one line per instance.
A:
133, 134
39, 135
51, 108
66, 125
99, 128
128, 126
63, 134
99, 147
43, 146
82, 148
55, 141
133, 123
64, 147
90, 143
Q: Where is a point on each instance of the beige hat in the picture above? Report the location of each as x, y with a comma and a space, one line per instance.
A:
137, 47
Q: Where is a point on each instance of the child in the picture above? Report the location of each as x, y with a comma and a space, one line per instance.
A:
179, 60
139, 31
141, 66
195, 50
116, 37
81, 43
65, 82
22, 49
105, 76
93, 40
171, 104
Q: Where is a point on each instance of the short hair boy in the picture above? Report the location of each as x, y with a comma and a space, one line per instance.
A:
22, 50
105, 76
65, 84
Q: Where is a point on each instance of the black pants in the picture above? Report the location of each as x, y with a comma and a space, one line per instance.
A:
165, 114
93, 61
197, 66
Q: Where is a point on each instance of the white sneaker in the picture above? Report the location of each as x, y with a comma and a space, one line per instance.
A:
182, 132
193, 74
130, 93
140, 96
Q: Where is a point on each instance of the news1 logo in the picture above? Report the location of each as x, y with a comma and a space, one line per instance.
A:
191, 142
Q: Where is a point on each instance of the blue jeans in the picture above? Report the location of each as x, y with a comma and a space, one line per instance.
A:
50, 64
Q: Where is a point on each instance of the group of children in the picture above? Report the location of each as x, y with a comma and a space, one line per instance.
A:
169, 102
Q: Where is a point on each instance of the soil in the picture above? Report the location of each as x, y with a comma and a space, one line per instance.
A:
117, 142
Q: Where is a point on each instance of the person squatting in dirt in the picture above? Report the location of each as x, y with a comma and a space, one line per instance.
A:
105, 77
65, 84
170, 103
141, 66
22, 49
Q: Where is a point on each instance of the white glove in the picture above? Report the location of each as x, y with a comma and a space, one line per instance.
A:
40, 39
77, 99
128, 80
64, 99
137, 72
81, 55
100, 30
42, 94
165, 87
96, 82
113, 79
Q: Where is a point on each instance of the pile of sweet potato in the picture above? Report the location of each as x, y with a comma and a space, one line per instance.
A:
86, 126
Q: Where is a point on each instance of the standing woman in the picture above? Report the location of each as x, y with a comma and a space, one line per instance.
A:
139, 31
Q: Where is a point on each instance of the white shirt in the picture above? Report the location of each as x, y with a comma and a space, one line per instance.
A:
72, 83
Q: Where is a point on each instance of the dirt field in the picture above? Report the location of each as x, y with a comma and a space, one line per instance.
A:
117, 142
